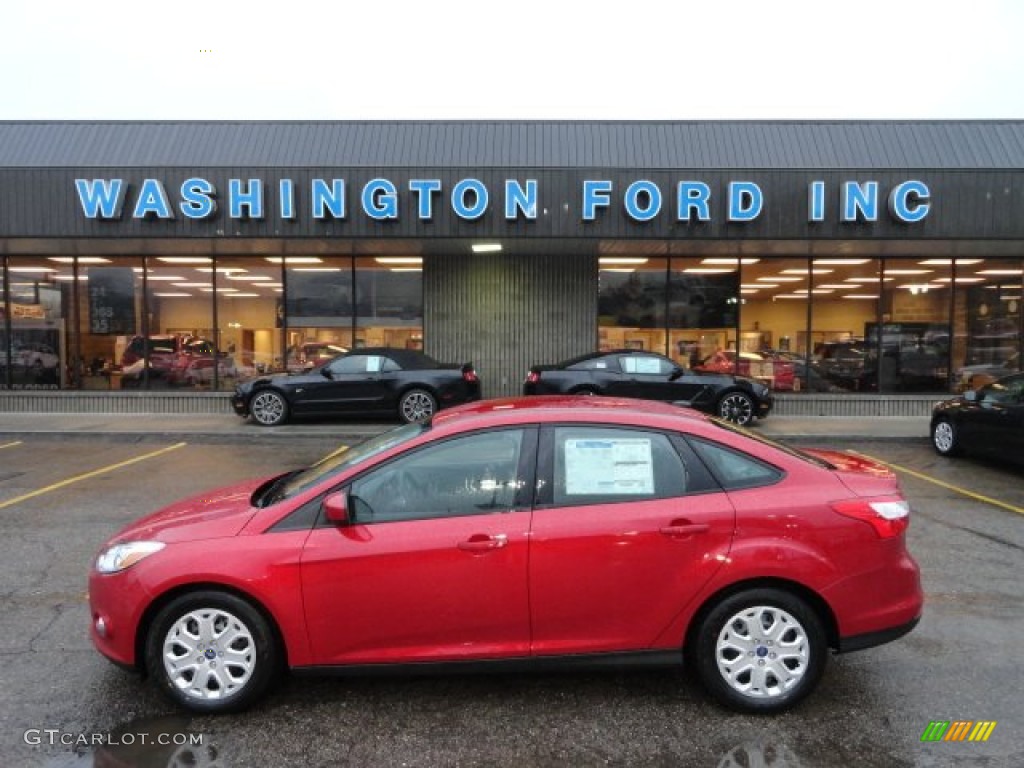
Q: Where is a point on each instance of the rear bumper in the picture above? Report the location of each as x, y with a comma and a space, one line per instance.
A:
239, 405
871, 639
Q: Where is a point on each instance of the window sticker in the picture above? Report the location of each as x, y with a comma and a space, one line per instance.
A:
373, 363
641, 365
620, 466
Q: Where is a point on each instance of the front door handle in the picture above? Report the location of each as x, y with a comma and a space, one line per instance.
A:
482, 542
680, 530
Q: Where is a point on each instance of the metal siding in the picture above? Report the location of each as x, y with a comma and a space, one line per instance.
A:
507, 312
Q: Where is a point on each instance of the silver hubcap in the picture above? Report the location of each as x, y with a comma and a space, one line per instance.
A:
209, 654
417, 406
943, 436
736, 408
762, 652
267, 408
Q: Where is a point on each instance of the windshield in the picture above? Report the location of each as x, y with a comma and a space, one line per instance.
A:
341, 460
729, 426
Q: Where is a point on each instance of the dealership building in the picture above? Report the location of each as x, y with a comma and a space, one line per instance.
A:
841, 262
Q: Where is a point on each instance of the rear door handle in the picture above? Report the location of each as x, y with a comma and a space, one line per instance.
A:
686, 529
482, 542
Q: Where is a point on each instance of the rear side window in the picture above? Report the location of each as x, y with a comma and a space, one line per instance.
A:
597, 465
733, 469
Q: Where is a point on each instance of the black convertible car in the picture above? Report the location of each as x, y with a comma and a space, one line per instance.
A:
367, 381
629, 373
988, 420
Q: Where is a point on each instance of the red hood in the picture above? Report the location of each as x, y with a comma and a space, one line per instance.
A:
214, 514
862, 475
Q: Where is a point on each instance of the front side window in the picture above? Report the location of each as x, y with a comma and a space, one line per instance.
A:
597, 465
472, 475
646, 364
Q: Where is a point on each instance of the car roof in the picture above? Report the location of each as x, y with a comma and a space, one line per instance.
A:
605, 353
518, 410
407, 358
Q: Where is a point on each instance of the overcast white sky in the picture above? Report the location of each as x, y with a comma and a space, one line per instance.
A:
539, 59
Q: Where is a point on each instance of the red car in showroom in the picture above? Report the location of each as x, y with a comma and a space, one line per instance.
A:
522, 533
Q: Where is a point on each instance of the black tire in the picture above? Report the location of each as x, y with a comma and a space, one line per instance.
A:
416, 405
185, 639
737, 407
946, 438
268, 407
741, 664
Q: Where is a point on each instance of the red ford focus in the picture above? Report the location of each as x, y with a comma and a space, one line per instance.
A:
576, 530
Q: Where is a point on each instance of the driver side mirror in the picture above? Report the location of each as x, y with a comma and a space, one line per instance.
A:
336, 508
676, 373
325, 371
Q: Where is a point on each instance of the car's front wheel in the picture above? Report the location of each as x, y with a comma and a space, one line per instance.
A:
268, 408
737, 408
416, 405
760, 650
212, 652
946, 438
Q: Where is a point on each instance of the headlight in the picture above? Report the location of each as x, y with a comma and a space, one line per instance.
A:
121, 556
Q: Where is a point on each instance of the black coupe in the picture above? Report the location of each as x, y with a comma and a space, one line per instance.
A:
630, 373
368, 381
987, 420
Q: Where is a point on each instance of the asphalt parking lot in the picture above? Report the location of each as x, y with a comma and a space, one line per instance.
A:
60, 498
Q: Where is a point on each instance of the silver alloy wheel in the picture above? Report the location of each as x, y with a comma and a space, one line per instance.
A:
209, 653
737, 408
944, 437
762, 652
267, 408
417, 405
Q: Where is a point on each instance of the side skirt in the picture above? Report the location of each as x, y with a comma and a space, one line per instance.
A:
638, 659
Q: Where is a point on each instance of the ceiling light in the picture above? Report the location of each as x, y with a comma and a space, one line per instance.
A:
948, 262
193, 285
869, 279
1012, 272
173, 295
243, 295
841, 262
837, 286
185, 259
221, 270
709, 271
759, 285
729, 261
960, 280
250, 278
860, 296
294, 260
219, 290
164, 278
81, 259
70, 277
621, 260
779, 279
399, 259
44, 270
486, 247
405, 269
909, 271
805, 271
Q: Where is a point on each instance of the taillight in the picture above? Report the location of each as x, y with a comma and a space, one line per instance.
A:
889, 517
469, 375
532, 377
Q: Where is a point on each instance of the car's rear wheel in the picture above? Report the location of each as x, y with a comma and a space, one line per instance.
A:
416, 405
268, 408
946, 438
761, 650
212, 652
737, 408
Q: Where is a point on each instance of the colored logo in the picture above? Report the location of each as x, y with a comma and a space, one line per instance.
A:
958, 730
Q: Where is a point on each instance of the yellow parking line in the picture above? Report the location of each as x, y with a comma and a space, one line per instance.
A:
11, 445
955, 488
87, 475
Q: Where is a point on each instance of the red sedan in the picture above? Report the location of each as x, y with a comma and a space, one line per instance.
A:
521, 531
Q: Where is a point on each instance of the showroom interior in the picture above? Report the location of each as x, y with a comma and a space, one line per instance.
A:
812, 284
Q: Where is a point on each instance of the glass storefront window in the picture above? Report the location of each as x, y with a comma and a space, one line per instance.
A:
389, 302
631, 303
318, 309
909, 349
703, 308
38, 348
248, 340
988, 321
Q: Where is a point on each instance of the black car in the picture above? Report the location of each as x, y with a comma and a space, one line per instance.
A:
629, 373
366, 381
988, 420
